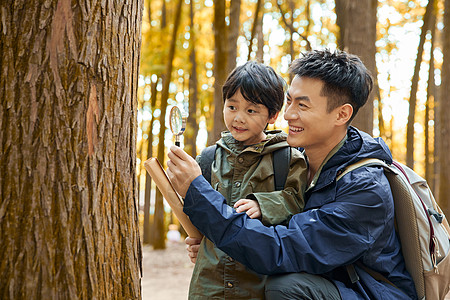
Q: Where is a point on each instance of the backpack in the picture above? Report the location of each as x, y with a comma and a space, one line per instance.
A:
422, 228
281, 156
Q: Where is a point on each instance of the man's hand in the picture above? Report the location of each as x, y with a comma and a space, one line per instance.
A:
251, 207
182, 170
193, 245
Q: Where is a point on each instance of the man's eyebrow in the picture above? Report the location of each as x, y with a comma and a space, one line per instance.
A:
304, 98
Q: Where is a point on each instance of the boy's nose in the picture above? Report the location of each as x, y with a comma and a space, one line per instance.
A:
239, 118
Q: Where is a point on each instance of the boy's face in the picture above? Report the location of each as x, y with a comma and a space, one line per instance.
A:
245, 120
310, 125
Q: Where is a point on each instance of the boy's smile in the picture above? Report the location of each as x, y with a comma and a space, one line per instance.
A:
246, 120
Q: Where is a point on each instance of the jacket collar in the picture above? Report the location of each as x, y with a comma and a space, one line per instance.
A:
357, 146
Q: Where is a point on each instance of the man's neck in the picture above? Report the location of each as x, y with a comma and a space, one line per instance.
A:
317, 156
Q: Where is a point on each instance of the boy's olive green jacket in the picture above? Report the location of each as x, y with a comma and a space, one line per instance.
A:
246, 172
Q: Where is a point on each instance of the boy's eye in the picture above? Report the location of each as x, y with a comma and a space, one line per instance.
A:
231, 107
252, 111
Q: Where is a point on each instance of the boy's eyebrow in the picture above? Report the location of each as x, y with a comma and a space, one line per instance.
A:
305, 98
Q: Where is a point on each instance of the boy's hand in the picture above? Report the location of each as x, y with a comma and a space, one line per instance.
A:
251, 207
182, 170
193, 245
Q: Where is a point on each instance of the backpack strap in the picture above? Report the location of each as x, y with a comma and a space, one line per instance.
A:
281, 163
206, 158
362, 163
350, 269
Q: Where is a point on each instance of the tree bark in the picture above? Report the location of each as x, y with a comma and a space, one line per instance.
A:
192, 128
429, 106
68, 89
148, 236
414, 86
254, 27
260, 38
357, 22
233, 34
158, 220
220, 65
444, 140
290, 26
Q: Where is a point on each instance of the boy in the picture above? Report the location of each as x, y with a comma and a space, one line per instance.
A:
253, 95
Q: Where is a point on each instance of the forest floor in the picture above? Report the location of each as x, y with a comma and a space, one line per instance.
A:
166, 273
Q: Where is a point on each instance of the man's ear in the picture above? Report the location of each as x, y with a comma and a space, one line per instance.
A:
344, 114
273, 118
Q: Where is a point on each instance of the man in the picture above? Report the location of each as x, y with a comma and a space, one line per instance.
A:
347, 227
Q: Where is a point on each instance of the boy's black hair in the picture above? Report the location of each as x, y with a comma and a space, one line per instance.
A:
346, 79
258, 83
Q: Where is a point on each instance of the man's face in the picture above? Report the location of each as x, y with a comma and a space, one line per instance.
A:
310, 125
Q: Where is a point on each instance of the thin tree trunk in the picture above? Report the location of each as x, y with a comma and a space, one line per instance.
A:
358, 36
260, 37
192, 128
68, 87
158, 221
220, 65
254, 26
149, 12
444, 158
148, 236
341, 21
414, 86
429, 105
233, 34
152, 233
290, 26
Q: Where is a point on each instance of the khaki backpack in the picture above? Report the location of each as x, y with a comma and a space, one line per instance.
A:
422, 227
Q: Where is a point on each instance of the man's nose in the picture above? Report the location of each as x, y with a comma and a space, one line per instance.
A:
290, 113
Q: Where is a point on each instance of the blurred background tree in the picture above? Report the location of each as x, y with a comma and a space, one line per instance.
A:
403, 43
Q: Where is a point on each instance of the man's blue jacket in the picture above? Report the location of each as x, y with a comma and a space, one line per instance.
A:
344, 222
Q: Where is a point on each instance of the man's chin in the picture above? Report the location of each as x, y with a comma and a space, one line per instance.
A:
293, 141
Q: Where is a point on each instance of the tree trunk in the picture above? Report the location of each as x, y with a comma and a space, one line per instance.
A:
150, 227
254, 27
220, 65
158, 219
192, 128
148, 236
444, 141
414, 86
429, 105
357, 22
233, 34
260, 38
290, 26
68, 89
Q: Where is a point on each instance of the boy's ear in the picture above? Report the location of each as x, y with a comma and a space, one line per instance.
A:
273, 118
344, 114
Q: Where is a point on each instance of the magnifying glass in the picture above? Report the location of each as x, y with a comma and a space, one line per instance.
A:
177, 124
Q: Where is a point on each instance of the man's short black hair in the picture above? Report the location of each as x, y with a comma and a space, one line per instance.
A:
346, 79
258, 83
